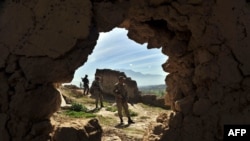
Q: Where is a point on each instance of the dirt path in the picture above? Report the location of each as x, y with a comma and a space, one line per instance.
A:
132, 132
109, 120
146, 114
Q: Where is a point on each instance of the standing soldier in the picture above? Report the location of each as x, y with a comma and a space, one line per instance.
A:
85, 81
96, 89
121, 96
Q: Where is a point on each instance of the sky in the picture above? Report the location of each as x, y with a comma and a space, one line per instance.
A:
114, 50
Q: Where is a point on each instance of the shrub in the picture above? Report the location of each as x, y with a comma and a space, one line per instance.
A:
111, 108
78, 107
132, 113
77, 110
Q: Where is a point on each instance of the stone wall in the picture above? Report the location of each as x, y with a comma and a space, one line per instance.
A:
110, 77
44, 41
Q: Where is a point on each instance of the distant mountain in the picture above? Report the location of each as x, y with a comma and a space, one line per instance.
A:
144, 79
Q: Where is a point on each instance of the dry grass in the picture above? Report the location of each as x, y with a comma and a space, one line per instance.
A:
107, 116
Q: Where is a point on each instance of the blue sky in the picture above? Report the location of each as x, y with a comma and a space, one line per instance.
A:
114, 50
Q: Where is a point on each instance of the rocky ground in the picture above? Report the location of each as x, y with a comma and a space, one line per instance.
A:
109, 121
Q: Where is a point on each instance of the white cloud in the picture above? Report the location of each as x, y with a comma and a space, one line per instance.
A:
138, 58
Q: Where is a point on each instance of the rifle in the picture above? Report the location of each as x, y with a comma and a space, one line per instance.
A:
124, 97
131, 103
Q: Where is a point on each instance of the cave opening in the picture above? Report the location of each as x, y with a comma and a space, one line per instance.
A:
208, 65
114, 50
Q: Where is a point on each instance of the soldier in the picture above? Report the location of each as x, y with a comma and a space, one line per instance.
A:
85, 81
121, 96
97, 91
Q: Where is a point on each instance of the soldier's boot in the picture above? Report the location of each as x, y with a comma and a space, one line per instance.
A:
121, 120
130, 121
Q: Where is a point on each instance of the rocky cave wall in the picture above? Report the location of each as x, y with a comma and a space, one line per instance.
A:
208, 45
44, 41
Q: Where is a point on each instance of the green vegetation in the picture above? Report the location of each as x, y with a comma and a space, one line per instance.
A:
132, 113
80, 114
83, 107
158, 93
111, 108
144, 117
78, 107
77, 110
158, 90
107, 104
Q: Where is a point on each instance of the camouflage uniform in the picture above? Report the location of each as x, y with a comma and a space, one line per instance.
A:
97, 91
85, 81
121, 96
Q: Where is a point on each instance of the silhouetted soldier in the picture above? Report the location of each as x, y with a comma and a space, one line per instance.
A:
97, 91
121, 97
85, 81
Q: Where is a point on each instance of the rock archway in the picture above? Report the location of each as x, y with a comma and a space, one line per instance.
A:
43, 41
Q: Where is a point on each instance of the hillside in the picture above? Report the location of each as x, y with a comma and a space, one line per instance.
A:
144, 79
152, 87
158, 90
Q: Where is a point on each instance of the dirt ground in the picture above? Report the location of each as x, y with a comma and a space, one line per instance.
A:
113, 130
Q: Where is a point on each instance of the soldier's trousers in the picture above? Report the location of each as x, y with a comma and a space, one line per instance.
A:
98, 97
122, 105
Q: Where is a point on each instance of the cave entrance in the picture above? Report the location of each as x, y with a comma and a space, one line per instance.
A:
114, 50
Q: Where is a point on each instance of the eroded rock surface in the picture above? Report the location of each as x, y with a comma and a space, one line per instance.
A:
44, 41
79, 131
